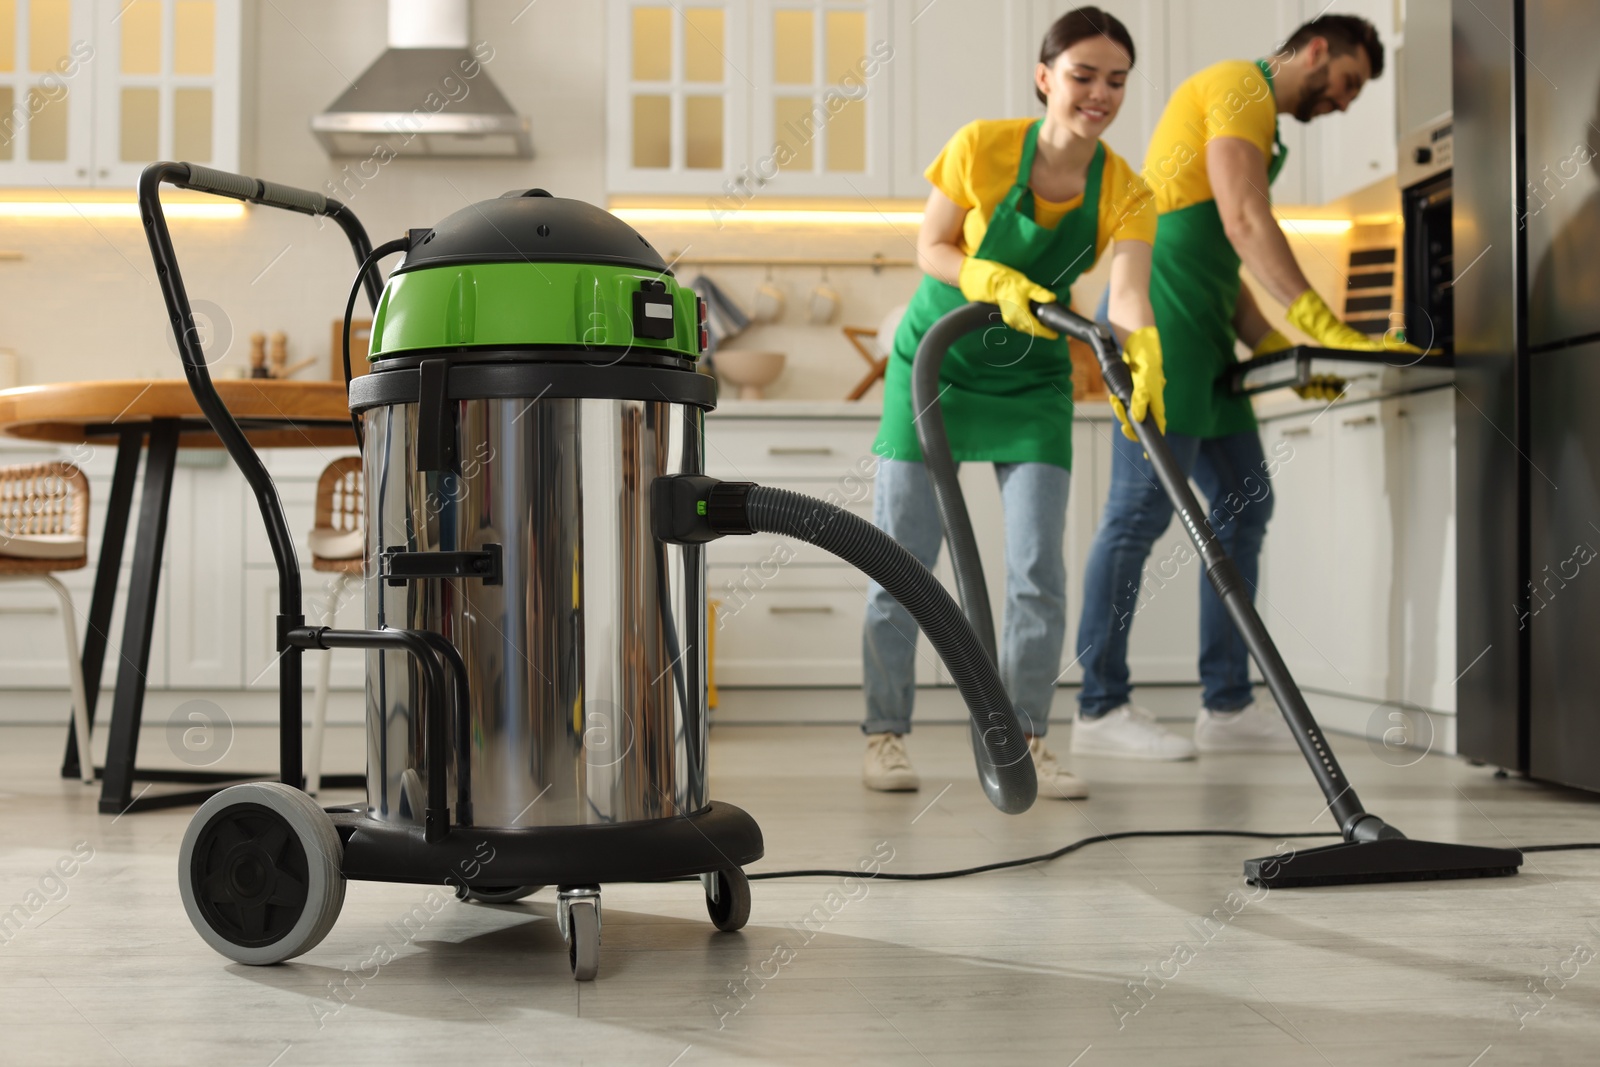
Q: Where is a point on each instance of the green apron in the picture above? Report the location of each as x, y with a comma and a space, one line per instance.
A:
1006, 397
1194, 285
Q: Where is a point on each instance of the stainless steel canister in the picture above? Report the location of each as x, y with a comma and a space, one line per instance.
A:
586, 663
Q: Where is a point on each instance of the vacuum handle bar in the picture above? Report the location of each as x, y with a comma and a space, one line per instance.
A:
180, 317
256, 191
1353, 822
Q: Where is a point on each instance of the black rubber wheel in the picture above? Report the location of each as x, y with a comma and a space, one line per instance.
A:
259, 872
583, 940
497, 894
731, 908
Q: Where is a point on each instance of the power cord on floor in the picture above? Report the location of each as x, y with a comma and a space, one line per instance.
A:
930, 876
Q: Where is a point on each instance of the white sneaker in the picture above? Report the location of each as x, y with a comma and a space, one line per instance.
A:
1128, 732
1253, 728
1055, 780
887, 768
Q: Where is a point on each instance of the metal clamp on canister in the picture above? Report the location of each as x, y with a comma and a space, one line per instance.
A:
397, 566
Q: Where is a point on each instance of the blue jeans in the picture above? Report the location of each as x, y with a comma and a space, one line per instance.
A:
1231, 473
1034, 497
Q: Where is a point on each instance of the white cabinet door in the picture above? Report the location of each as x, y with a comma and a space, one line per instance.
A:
820, 119
260, 609
167, 77
1426, 638
1200, 34
678, 84
1298, 588
1360, 575
1358, 147
205, 542
47, 53
1164, 644
1089, 474
955, 61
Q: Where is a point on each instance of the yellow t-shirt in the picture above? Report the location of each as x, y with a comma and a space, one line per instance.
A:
978, 167
1228, 99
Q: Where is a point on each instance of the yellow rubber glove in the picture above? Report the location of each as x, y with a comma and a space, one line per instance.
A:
1324, 387
989, 282
1312, 316
1272, 342
1142, 354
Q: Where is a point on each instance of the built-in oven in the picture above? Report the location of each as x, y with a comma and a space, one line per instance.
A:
1427, 253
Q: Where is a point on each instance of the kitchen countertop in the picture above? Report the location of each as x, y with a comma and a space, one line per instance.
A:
847, 409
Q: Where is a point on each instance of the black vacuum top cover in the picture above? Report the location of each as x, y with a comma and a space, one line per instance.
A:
531, 226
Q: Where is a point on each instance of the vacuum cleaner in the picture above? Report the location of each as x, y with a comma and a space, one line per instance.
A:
1372, 850
533, 440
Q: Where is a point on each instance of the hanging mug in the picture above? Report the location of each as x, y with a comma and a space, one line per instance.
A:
824, 303
769, 302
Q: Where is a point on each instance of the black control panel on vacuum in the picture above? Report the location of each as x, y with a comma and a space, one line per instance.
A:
652, 311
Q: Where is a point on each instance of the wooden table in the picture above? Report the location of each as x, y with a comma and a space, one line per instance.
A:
157, 417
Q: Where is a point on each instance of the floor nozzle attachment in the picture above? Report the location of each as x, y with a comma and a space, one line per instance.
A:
1385, 859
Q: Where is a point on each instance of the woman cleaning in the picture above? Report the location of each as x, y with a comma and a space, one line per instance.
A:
1019, 209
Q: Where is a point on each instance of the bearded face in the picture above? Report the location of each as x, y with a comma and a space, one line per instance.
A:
1314, 98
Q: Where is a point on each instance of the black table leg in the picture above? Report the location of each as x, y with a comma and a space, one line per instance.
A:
127, 707
97, 632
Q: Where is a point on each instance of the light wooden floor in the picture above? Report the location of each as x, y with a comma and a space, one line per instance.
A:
1029, 966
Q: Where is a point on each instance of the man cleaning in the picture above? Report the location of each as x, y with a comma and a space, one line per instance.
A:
1210, 163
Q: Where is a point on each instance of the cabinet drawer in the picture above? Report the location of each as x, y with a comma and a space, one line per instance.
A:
792, 627
761, 449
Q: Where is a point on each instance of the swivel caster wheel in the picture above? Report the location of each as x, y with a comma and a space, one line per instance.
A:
499, 894
259, 872
727, 898
578, 913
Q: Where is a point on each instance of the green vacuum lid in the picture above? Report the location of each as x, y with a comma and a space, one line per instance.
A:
530, 270
531, 226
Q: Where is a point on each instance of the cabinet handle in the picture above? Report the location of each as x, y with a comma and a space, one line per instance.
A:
19, 609
1364, 420
796, 450
801, 609
1297, 431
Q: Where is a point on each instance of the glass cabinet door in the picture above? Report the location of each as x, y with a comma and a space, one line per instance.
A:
676, 95
167, 86
45, 96
821, 111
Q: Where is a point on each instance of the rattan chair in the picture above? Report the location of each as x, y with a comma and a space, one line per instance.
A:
44, 530
338, 547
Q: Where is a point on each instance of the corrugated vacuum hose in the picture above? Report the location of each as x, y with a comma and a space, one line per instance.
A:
690, 509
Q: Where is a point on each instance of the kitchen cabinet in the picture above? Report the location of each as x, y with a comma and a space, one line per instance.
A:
950, 68
791, 615
92, 90
1358, 147
730, 99
678, 82
820, 122
1199, 35
204, 586
45, 121
928, 69
1357, 575
1426, 638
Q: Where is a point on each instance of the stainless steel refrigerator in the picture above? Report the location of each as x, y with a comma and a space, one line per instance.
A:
1526, 229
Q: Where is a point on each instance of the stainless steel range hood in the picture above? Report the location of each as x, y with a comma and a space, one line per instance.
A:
428, 94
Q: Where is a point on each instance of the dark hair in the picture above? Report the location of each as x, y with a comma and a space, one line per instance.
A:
1078, 25
1344, 34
